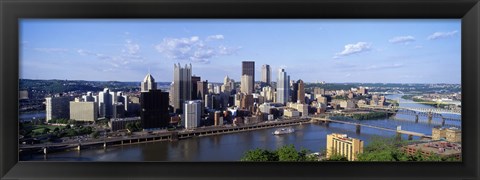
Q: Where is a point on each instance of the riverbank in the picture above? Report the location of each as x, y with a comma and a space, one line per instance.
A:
155, 137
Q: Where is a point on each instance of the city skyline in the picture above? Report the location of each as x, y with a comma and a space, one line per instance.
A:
364, 51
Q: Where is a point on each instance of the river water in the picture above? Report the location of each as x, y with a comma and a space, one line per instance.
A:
231, 147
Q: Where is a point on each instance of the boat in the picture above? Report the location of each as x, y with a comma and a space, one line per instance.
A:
283, 131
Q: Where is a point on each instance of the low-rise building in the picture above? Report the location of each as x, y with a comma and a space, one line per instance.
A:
289, 112
83, 111
120, 123
343, 145
441, 148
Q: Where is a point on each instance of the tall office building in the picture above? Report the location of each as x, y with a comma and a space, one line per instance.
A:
148, 83
343, 145
83, 110
195, 80
192, 114
105, 102
182, 87
266, 74
57, 107
301, 92
294, 93
228, 85
282, 87
202, 89
154, 109
248, 68
246, 84
89, 97
123, 98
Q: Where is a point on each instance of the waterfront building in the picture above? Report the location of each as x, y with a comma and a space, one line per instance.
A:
192, 114
195, 80
343, 145
218, 118
441, 148
246, 84
290, 112
154, 109
57, 107
266, 74
248, 68
282, 86
148, 83
105, 102
300, 92
133, 105
451, 134
182, 87
117, 124
83, 110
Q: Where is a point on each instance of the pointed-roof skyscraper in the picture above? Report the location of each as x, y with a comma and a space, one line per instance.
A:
148, 83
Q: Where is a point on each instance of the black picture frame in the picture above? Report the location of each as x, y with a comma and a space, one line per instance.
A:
12, 10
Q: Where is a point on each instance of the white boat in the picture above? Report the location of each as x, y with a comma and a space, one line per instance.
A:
283, 131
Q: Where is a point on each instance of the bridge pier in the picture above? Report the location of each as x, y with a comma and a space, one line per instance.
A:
443, 121
398, 136
357, 128
45, 150
104, 144
430, 116
416, 118
78, 147
327, 124
410, 137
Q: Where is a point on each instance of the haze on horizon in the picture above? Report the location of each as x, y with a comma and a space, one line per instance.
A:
334, 51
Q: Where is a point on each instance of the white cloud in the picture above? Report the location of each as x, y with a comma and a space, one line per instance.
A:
402, 39
350, 49
193, 49
131, 48
438, 35
130, 53
215, 37
51, 50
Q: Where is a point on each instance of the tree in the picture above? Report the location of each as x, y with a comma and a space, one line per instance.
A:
45, 130
260, 155
288, 153
95, 134
336, 157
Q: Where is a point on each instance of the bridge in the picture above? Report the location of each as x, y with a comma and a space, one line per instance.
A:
358, 128
392, 91
415, 112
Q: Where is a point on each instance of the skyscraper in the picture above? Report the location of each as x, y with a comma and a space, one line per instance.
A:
246, 85
105, 102
195, 79
301, 92
282, 86
148, 83
294, 93
266, 74
182, 86
154, 109
192, 114
57, 107
248, 68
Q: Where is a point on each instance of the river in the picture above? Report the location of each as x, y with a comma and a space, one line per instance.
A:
231, 147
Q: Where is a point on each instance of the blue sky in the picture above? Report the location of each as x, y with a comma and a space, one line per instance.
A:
388, 51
